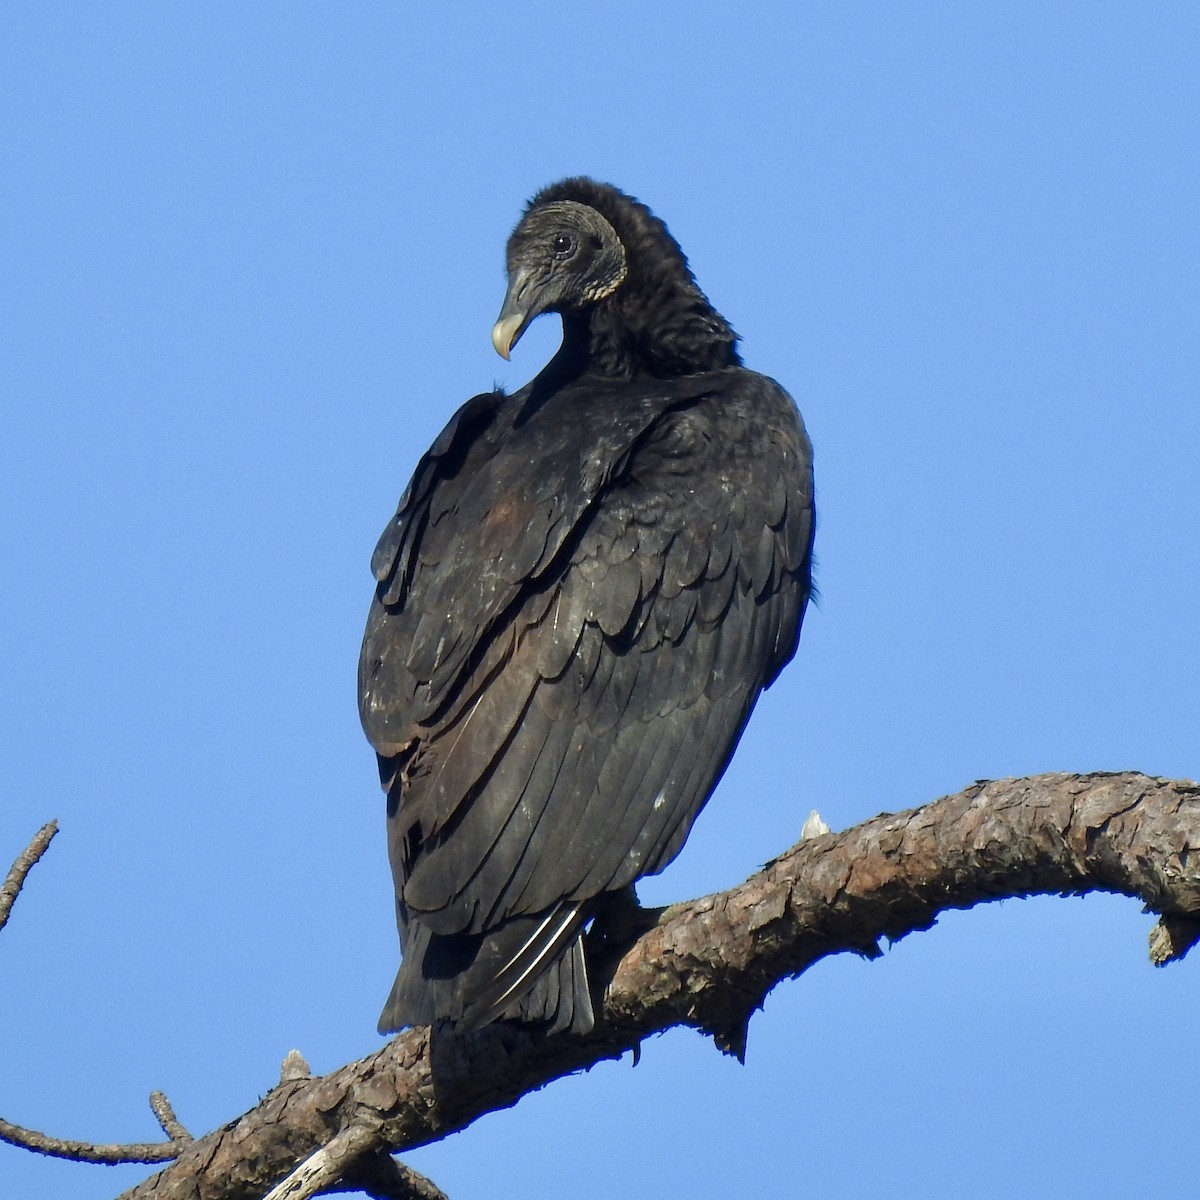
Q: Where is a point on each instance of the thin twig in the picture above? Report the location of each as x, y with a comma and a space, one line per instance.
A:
12, 885
349, 1162
170, 1123
43, 1143
91, 1152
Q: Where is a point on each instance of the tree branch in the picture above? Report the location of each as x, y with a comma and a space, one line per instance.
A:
42, 1143
15, 880
710, 962
324, 1167
88, 1152
383, 1178
171, 1125
351, 1161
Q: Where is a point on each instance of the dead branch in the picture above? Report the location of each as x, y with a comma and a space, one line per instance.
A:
42, 1143
352, 1160
710, 962
15, 880
383, 1178
87, 1152
170, 1123
324, 1167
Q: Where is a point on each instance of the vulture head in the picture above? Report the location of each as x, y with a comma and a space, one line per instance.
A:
563, 256
629, 302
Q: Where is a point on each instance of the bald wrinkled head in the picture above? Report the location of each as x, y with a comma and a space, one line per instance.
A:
562, 257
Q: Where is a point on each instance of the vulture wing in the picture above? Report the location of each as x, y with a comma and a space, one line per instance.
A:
579, 602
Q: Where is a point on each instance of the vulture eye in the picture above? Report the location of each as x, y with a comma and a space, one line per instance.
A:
563, 246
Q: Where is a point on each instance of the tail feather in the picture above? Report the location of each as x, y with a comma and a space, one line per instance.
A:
560, 998
529, 969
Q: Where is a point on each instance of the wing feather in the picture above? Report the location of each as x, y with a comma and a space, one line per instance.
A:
577, 611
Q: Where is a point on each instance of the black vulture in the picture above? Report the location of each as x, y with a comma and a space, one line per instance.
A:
586, 587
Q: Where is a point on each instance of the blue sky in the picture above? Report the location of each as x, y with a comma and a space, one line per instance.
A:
250, 258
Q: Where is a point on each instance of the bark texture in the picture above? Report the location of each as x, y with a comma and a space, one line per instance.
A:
710, 962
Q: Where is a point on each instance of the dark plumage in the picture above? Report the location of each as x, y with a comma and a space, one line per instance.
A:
584, 590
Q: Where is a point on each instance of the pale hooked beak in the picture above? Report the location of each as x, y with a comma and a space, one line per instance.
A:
505, 333
514, 315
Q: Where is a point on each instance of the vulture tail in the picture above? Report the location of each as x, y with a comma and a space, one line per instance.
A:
529, 969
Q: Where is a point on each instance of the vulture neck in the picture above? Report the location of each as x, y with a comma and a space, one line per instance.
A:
664, 332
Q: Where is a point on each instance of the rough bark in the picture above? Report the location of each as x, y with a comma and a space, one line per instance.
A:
710, 962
